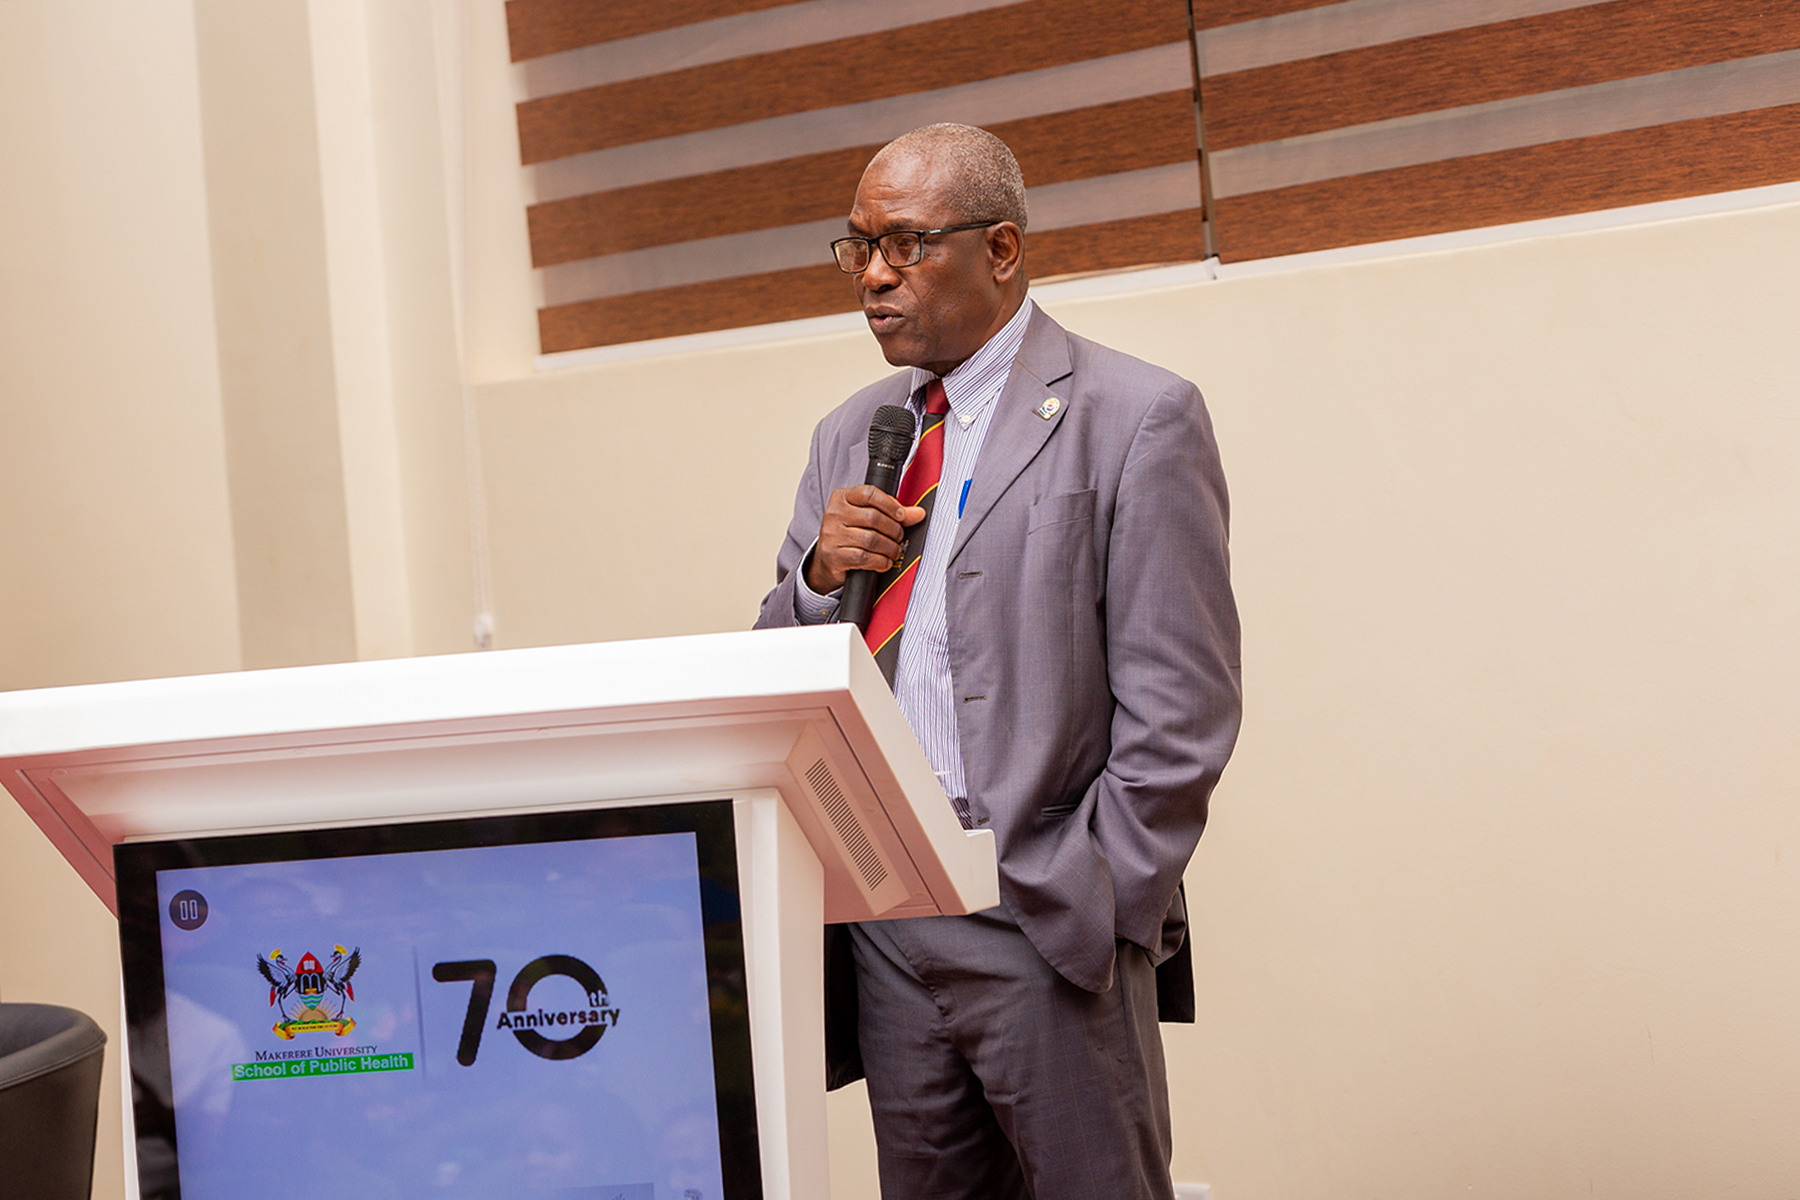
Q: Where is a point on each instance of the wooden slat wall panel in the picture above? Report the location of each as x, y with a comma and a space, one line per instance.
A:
1490, 62
1119, 151
1125, 136
674, 210
1544, 115
1210, 14
696, 308
1641, 166
1113, 245
1616, 48
935, 54
539, 27
1151, 131
812, 291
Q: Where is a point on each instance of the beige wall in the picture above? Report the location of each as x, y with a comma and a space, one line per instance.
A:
205, 208
337, 338
115, 524
114, 519
1499, 898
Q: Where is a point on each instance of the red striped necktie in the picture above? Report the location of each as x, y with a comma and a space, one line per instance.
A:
918, 489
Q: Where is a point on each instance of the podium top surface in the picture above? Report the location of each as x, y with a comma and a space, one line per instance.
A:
803, 711
744, 670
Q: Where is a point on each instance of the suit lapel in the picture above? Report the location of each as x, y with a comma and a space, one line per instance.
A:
1018, 431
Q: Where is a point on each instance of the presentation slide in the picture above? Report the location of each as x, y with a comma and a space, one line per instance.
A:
503, 1021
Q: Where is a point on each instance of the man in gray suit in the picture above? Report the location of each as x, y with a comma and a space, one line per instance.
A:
1068, 659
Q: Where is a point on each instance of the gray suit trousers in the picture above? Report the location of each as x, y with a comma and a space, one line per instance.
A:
991, 1077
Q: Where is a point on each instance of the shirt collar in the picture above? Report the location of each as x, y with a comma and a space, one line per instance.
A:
970, 387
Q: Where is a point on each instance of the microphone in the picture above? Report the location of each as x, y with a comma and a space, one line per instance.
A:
890, 437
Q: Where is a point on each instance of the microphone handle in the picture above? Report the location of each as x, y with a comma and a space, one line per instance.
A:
858, 597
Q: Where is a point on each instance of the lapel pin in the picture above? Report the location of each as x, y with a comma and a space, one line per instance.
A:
1049, 408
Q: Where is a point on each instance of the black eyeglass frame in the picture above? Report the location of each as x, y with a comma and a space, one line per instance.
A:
875, 246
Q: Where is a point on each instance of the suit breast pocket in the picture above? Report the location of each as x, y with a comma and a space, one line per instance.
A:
1059, 547
1060, 510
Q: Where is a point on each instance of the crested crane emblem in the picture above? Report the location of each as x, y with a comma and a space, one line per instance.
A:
312, 997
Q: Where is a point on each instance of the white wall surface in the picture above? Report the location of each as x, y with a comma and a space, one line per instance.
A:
114, 519
122, 557
115, 528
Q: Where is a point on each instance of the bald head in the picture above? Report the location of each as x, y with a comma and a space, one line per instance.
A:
980, 178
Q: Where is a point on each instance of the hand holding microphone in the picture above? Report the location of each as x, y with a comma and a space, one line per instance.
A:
864, 526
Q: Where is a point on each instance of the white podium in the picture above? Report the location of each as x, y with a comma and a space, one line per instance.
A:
837, 814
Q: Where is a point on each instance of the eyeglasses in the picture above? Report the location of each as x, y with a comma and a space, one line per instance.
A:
899, 247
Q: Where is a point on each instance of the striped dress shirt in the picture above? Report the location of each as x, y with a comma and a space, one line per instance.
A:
922, 683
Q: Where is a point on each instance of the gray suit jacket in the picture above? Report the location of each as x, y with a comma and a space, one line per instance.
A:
1093, 636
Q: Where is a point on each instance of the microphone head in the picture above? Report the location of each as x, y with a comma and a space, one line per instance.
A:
890, 434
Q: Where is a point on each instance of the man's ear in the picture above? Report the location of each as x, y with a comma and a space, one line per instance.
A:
1006, 250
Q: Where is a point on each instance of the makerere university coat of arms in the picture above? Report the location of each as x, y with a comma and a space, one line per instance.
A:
312, 997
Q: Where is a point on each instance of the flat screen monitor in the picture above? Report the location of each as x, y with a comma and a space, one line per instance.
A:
540, 1005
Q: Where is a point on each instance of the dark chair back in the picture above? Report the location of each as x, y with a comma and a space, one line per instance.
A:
49, 1102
